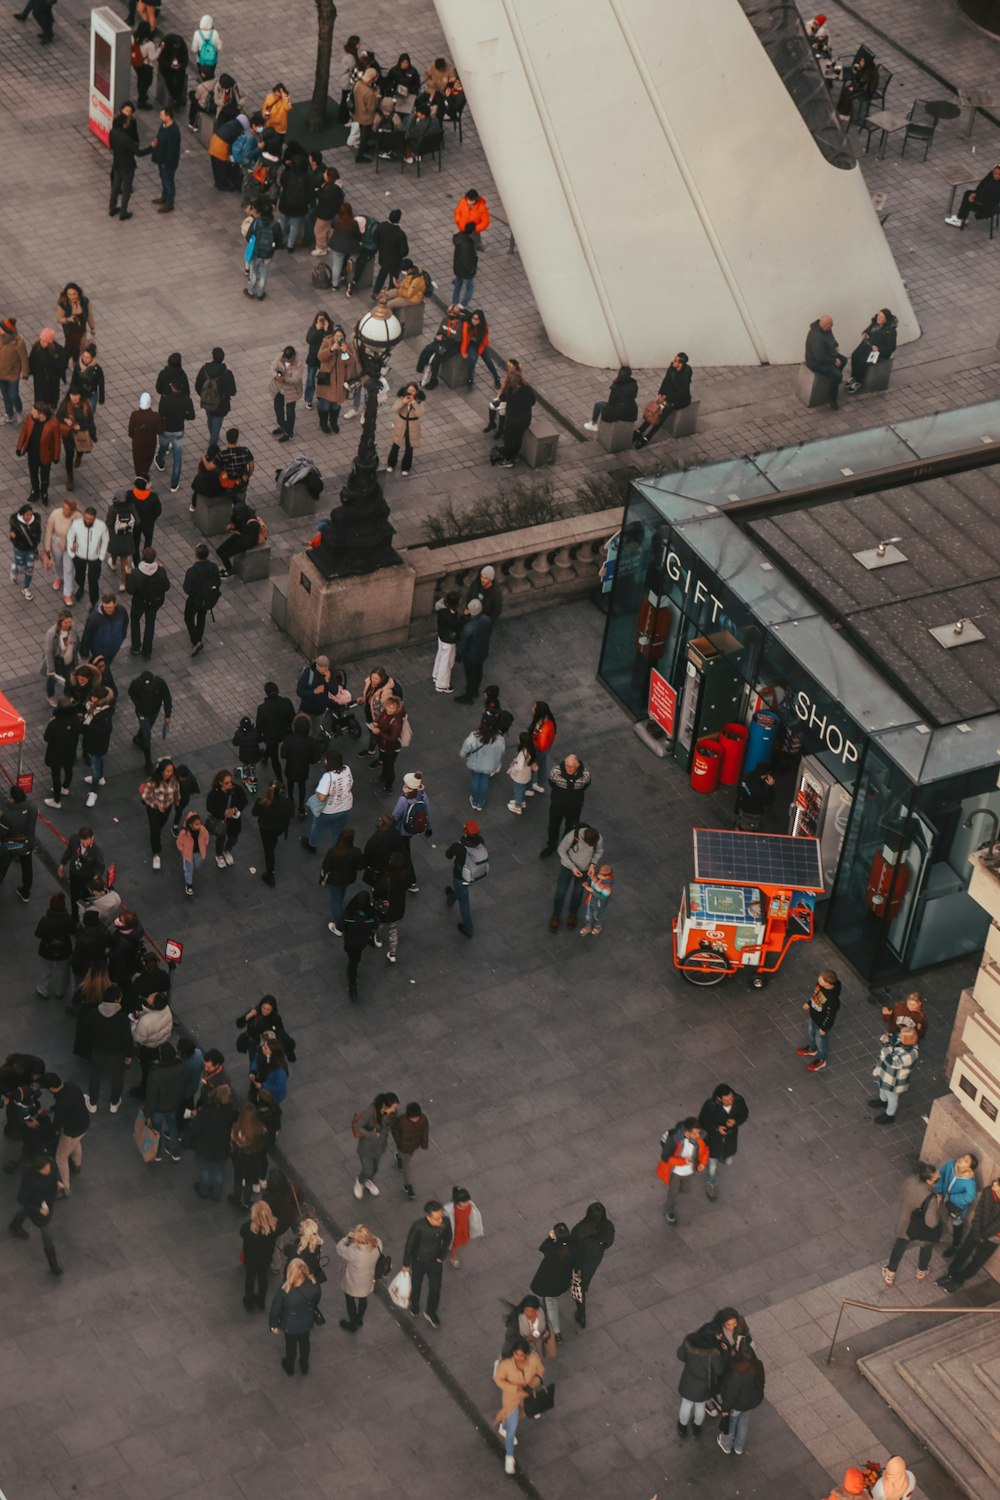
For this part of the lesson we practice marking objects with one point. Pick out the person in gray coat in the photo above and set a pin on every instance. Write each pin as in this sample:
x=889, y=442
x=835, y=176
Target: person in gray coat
x=371, y=1127
x=473, y=649
x=293, y=1313
x=359, y=1250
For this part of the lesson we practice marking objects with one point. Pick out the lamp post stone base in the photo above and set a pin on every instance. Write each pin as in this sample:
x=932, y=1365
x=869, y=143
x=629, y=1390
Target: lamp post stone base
x=348, y=617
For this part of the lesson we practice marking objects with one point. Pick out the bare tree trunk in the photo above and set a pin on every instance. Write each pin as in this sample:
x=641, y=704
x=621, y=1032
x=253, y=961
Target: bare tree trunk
x=326, y=15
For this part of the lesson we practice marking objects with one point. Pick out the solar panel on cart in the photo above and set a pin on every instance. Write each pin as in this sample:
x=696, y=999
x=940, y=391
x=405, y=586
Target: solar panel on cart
x=757, y=859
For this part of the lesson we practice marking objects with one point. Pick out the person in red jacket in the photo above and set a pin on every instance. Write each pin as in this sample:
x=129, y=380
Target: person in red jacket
x=388, y=728
x=476, y=345
x=41, y=441
x=682, y=1153
x=472, y=209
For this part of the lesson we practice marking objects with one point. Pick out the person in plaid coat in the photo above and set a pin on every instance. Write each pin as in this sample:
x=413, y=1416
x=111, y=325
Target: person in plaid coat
x=896, y=1062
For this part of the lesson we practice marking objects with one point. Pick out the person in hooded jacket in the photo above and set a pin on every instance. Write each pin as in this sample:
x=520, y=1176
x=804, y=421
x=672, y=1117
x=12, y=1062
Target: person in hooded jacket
x=148, y=510
x=210, y=1140
x=621, y=405
x=125, y=948
x=150, y=695
x=589, y=1238
x=55, y=947
x=705, y=1364
x=109, y=1042
x=822, y=355
x=720, y=1118
x=359, y=929
x=879, y=338
x=148, y=586
x=13, y=368
x=25, y=536
x=273, y=722
x=95, y=740
x=299, y=750
x=553, y=1277
x=742, y=1392
x=62, y=733
x=151, y=1027
x=674, y=394
x=202, y=588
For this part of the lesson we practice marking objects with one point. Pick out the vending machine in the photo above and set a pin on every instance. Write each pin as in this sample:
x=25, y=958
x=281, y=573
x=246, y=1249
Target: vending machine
x=821, y=810
x=711, y=691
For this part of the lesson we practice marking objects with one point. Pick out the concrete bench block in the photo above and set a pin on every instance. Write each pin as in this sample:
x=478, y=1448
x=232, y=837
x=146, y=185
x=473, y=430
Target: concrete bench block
x=877, y=377
x=540, y=445
x=296, y=500
x=411, y=317
x=683, y=422
x=812, y=389
x=453, y=372
x=254, y=565
x=615, y=437
x=213, y=514
x=206, y=129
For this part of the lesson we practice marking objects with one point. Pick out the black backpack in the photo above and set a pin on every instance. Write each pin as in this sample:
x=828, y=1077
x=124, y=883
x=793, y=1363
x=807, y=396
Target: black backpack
x=211, y=394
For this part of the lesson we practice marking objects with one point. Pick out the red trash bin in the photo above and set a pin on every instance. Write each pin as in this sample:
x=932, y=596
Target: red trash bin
x=733, y=740
x=706, y=765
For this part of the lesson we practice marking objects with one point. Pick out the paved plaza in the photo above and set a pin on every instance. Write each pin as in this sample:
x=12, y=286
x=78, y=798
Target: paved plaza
x=548, y=1066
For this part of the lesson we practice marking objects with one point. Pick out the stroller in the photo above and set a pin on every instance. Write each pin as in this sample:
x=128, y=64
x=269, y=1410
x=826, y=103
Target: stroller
x=339, y=716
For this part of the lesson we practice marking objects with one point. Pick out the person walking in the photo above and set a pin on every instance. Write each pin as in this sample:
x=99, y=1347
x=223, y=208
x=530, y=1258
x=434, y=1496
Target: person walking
x=87, y=544
x=371, y=1128
x=342, y=865
x=580, y=851
x=705, y=1364
x=555, y=1274
x=123, y=527
x=71, y=1119
x=589, y=1238
x=470, y=862
x=720, y=1118
x=104, y=633
x=821, y=1012
x=176, y=408
x=148, y=586
x=359, y=1250
x=17, y=838
x=393, y=247
x=40, y=442
x=25, y=537
x=981, y=1240
x=682, y=1153
x=542, y=730
x=148, y=508
x=516, y=1377
x=109, y=1043
x=293, y=1313
x=331, y=803
x=896, y=1061
x=55, y=554
x=61, y=651
x=145, y=428
x=359, y=929
x=286, y=390
x=389, y=896
x=473, y=649
x=150, y=696
x=209, y=1139
x=225, y=806
x=203, y=590
x=47, y=366
x=161, y=795
x=273, y=810
x=411, y=1133
x=405, y=427
x=192, y=845
x=742, y=1392
x=55, y=947
x=36, y=1197
x=215, y=387
x=95, y=740
x=483, y=752
x=13, y=368
x=273, y=722
x=259, y=1234
x=423, y=1256
x=466, y=1223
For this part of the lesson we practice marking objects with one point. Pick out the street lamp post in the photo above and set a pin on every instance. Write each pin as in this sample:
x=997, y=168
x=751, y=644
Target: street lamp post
x=358, y=536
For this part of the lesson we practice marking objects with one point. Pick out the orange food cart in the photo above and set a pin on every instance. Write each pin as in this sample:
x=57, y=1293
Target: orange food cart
x=753, y=895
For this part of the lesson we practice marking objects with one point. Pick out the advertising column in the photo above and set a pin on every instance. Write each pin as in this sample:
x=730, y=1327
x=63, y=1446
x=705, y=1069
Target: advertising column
x=110, y=70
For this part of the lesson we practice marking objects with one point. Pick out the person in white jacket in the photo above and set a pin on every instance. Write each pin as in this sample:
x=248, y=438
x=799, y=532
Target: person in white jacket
x=206, y=44
x=151, y=1027
x=87, y=545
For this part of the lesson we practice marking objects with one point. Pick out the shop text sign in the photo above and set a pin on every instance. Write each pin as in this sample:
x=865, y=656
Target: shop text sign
x=662, y=702
x=831, y=734
x=693, y=588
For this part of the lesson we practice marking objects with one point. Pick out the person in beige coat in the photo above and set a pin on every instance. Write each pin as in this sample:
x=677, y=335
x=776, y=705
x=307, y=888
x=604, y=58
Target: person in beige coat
x=338, y=366
x=286, y=388
x=405, y=427
x=55, y=556
x=515, y=1377
x=359, y=1250
x=366, y=102
x=13, y=368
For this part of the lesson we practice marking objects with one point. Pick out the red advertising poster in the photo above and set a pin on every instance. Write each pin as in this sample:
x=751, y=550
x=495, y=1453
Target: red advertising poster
x=26, y=781
x=662, y=702
x=173, y=950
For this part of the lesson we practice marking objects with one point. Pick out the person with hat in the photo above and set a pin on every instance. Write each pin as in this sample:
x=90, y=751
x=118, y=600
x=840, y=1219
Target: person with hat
x=896, y=1062
x=484, y=588
x=25, y=536
x=286, y=390
x=470, y=862
x=145, y=428
x=17, y=838
x=13, y=368
x=853, y=1485
x=474, y=648
x=411, y=817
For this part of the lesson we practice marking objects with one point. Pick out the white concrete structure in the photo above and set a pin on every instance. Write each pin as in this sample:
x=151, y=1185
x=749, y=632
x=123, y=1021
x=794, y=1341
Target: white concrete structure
x=664, y=190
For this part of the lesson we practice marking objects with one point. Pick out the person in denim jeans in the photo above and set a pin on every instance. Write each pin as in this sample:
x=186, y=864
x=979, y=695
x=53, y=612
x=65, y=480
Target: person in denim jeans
x=164, y=1093
x=578, y=850
x=742, y=1391
x=459, y=890
x=25, y=536
x=821, y=1012
x=192, y=841
x=209, y=1140
x=335, y=797
x=176, y=408
x=13, y=368
x=720, y=1118
x=483, y=752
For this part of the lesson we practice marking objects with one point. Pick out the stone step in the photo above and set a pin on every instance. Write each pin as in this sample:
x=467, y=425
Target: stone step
x=989, y=1373
x=948, y=1385
x=883, y=1373
x=961, y=1374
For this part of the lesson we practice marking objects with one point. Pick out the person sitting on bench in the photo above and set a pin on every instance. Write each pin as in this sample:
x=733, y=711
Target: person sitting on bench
x=983, y=203
x=674, y=393
x=245, y=533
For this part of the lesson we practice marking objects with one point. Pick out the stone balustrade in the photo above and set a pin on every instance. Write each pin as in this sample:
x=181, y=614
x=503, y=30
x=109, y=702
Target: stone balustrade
x=538, y=566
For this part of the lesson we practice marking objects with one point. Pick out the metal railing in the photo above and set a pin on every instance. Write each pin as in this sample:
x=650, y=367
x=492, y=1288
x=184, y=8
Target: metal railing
x=895, y=1312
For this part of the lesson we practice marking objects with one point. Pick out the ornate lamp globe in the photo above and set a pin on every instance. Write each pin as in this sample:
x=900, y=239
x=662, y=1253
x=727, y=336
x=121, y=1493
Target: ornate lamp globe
x=380, y=330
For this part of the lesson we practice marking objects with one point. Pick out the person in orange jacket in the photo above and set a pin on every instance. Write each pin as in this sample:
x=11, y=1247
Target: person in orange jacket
x=682, y=1153
x=40, y=441
x=472, y=209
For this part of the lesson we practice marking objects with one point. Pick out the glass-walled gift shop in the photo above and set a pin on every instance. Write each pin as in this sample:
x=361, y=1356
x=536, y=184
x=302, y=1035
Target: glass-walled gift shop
x=851, y=643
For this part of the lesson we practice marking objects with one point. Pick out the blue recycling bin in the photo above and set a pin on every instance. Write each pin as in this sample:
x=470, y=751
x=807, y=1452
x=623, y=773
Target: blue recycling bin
x=760, y=747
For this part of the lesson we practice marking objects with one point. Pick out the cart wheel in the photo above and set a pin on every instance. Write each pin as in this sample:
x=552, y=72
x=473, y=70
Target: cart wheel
x=714, y=971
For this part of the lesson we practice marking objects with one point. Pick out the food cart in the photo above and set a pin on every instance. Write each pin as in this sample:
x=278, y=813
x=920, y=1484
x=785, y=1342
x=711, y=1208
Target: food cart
x=753, y=895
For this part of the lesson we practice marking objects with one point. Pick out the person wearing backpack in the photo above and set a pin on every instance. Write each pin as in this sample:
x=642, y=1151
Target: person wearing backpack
x=470, y=862
x=148, y=586
x=215, y=387
x=263, y=237
x=359, y=928
x=206, y=44
x=203, y=590
x=412, y=815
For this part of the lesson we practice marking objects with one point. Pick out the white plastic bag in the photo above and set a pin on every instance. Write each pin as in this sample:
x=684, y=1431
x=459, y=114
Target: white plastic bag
x=401, y=1288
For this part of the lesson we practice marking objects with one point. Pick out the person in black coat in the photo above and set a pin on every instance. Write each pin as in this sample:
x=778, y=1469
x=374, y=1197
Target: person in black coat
x=742, y=1392
x=90, y=947
x=36, y=1197
x=720, y=1118
x=71, y=1118
x=554, y=1275
x=299, y=751
x=519, y=397
x=173, y=376
x=209, y=1139
x=568, y=783
x=123, y=140
x=62, y=734
x=705, y=1364
x=673, y=395
x=107, y=1036
x=822, y=355
x=263, y=1016
x=147, y=587
x=273, y=723
x=259, y=1234
x=588, y=1240
x=83, y=859
x=202, y=588
x=273, y=811
x=166, y=147
x=878, y=338
x=464, y=265
x=390, y=898
x=359, y=928
x=393, y=247
x=621, y=405
x=55, y=948
x=474, y=648
x=225, y=805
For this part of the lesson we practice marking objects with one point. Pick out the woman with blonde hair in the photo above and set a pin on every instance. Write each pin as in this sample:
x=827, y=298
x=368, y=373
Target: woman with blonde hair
x=359, y=1250
x=247, y=1139
x=307, y=1249
x=293, y=1312
x=258, y=1234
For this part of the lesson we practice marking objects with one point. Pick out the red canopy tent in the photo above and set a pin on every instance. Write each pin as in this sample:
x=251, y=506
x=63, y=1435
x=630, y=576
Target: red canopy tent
x=12, y=728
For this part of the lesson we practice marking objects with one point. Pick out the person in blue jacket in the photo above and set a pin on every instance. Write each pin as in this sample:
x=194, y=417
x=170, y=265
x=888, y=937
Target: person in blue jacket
x=269, y=1069
x=956, y=1185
